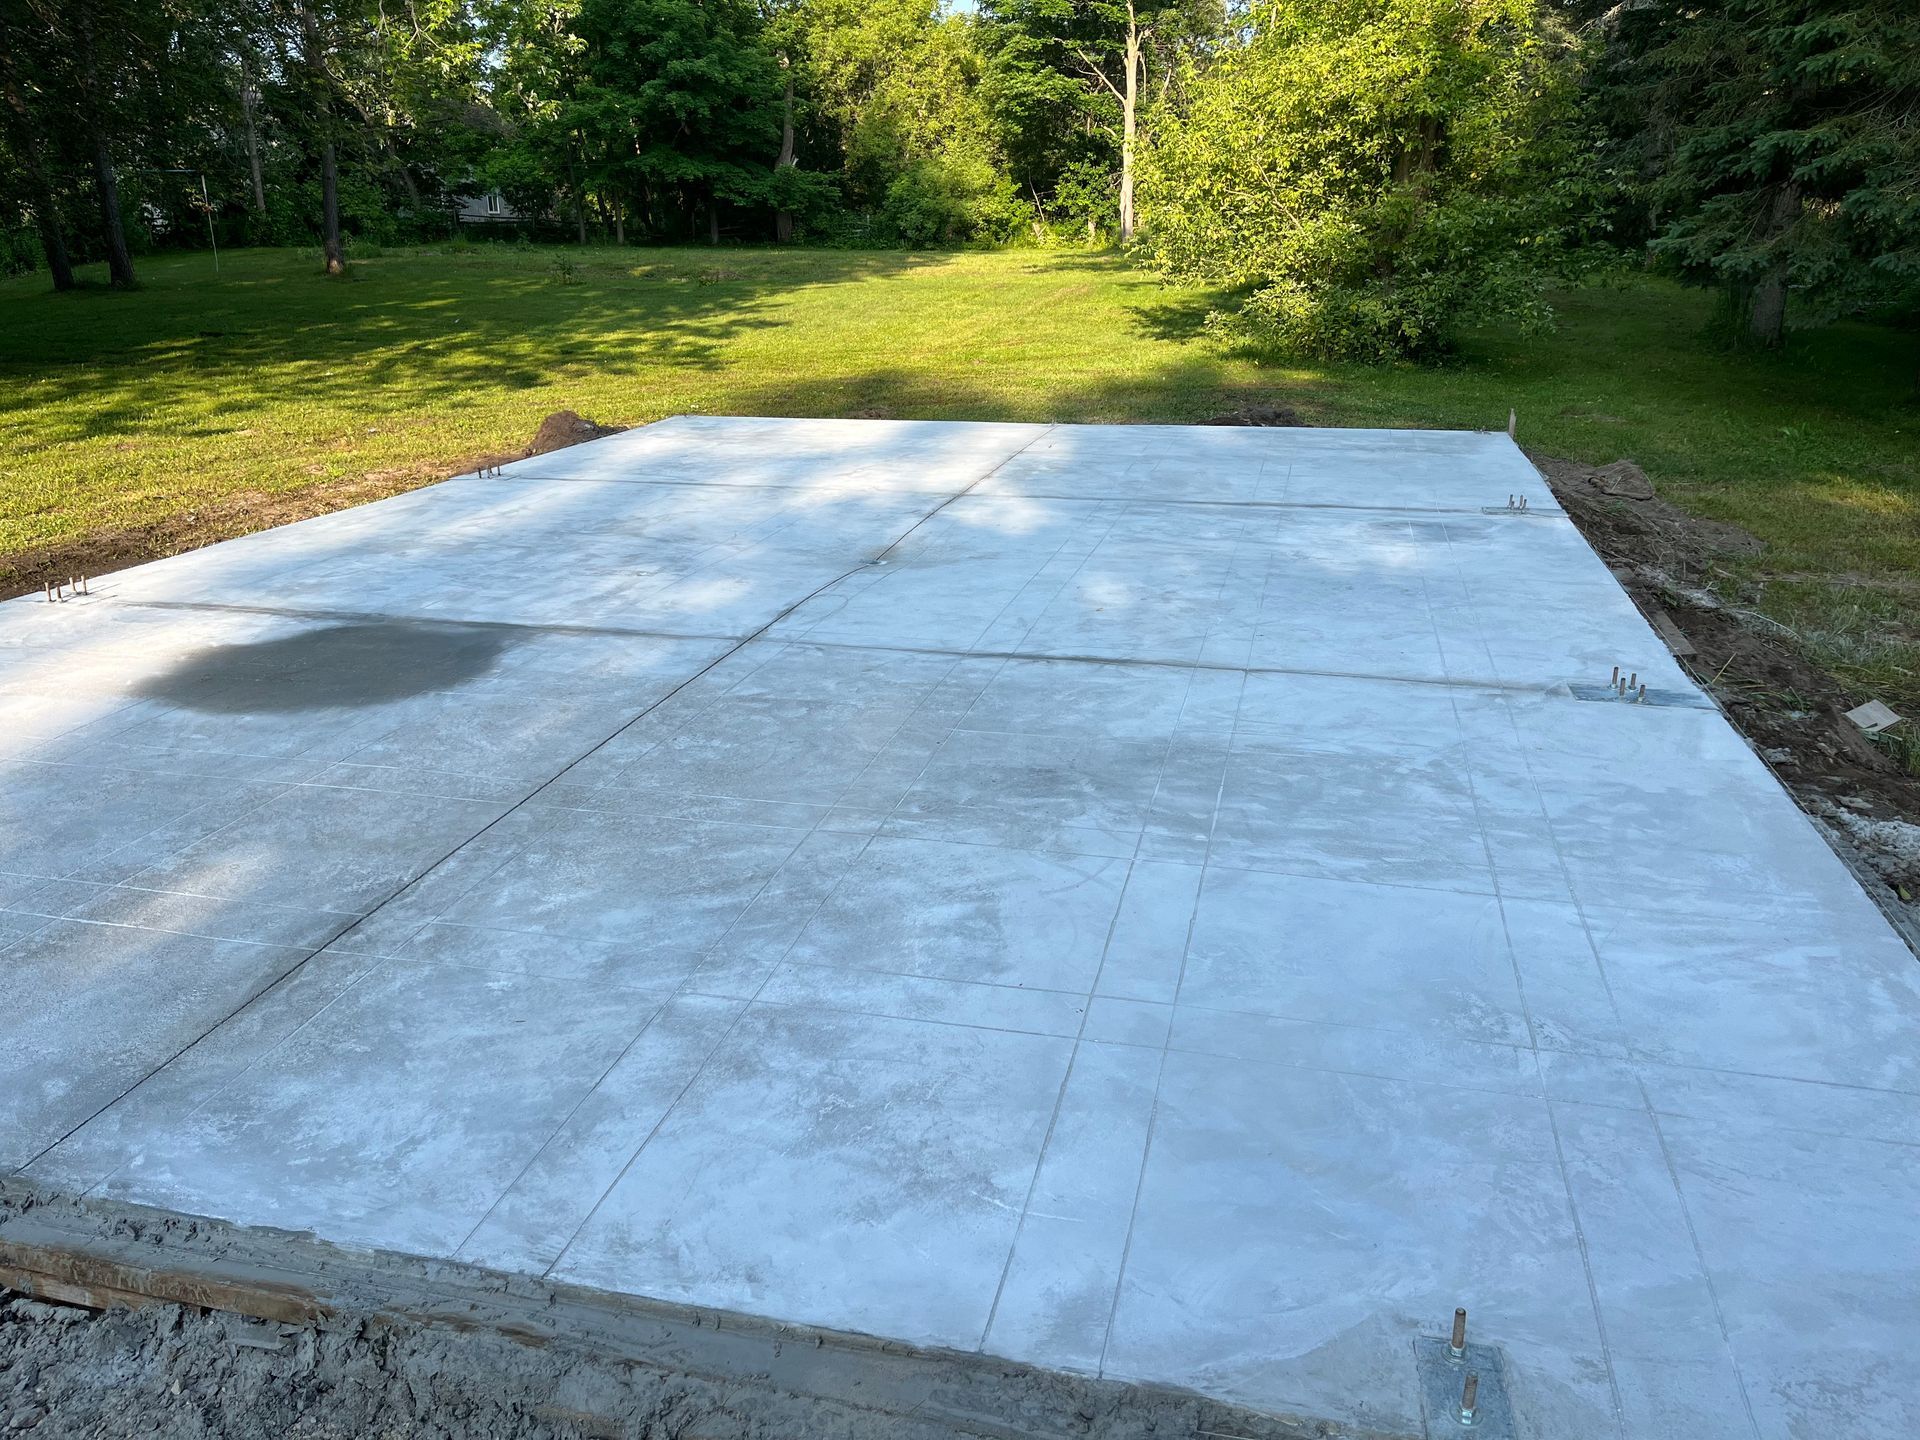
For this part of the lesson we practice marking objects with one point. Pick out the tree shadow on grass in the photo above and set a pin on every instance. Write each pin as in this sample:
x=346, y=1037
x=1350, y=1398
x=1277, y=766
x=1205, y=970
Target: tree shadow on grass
x=463, y=322
x=1176, y=315
x=1182, y=392
x=1160, y=310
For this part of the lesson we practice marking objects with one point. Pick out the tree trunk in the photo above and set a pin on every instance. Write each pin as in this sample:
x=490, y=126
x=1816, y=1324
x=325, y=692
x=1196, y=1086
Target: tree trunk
x=1418, y=159
x=335, y=256
x=1767, y=309
x=249, y=97
x=53, y=243
x=574, y=169
x=105, y=183
x=783, y=219
x=619, y=222
x=1129, y=118
x=713, y=219
x=119, y=262
x=46, y=205
x=406, y=178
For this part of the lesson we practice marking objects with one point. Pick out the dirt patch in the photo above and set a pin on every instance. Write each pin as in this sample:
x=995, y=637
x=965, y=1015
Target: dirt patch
x=1623, y=479
x=564, y=428
x=1792, y=710
x=1617, y=510
x=1258, y=415
x=250, y=510
x=165, y=1371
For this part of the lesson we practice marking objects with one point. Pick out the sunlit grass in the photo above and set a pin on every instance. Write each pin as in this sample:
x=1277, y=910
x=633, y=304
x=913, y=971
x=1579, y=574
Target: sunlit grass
x=123, y=410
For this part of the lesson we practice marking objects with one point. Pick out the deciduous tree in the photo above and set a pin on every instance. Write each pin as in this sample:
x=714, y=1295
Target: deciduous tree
x=1372, y=173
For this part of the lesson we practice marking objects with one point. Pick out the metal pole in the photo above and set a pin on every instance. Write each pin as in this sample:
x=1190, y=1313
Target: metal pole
x=209, y=204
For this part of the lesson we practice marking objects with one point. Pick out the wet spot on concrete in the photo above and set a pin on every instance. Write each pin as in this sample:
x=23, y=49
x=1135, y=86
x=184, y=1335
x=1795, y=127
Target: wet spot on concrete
x=332, y=666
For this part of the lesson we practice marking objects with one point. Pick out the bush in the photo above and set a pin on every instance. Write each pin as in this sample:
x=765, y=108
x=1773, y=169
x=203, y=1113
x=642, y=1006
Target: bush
x=1086, y=199
x=19, y=250
x=954, y=197
x=1371, y=174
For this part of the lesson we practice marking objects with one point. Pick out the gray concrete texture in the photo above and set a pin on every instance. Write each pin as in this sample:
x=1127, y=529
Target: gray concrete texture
x=1146, y=901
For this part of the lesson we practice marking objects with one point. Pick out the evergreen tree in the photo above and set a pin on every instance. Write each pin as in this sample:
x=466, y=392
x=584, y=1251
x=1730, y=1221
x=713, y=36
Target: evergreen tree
x=1776, y=145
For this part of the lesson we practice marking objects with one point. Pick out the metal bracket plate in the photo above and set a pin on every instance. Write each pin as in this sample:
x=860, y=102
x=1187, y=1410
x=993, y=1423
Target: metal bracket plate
x=1680, y=699
x=1441, y=1380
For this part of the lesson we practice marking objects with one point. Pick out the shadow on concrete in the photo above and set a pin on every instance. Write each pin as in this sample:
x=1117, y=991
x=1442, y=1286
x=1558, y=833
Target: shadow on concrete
x=351, y=665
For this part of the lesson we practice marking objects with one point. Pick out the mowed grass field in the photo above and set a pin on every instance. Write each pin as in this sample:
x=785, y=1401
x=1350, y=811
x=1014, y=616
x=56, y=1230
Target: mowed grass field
x=207, y=403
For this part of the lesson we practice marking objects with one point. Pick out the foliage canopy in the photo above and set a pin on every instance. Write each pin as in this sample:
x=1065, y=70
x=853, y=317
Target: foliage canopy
x=1368, y=175
x=1773, y=148
x=1372, y=172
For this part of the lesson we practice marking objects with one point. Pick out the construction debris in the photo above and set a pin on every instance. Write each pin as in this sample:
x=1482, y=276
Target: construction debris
x=1873, y=717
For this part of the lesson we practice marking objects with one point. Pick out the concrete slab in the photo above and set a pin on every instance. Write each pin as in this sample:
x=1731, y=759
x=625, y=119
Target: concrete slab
x=1143, y=901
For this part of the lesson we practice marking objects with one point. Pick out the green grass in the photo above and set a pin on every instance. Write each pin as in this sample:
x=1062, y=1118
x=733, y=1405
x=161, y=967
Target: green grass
x=127, y=411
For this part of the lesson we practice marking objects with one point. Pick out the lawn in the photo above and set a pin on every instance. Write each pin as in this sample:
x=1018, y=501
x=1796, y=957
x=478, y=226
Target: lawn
x=205, y=403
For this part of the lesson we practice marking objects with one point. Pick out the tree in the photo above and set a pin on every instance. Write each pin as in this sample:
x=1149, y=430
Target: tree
x=316, y=45
x=1050, y=119
x=1067, y=81
x=678, y=98
x=539, y=71
x=20, y=130
x=900, y=85
x=1127, y=95
x=1373, y=173
x=1786, y=154
x=105, y=99
x=101, y=64
x=785, y=34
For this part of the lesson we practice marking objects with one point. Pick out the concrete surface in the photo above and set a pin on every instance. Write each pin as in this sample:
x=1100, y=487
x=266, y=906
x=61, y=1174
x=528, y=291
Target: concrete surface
x=1137, y=900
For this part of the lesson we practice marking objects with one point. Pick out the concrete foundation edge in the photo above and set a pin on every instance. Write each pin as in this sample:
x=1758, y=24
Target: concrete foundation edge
x=101, y=1254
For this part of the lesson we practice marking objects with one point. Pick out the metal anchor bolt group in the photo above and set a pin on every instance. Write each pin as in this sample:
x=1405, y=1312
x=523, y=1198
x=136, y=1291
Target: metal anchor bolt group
x=1629, y=687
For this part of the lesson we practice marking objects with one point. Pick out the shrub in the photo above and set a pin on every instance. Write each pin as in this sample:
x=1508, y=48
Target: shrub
x=954, y=196
x=1371, y=174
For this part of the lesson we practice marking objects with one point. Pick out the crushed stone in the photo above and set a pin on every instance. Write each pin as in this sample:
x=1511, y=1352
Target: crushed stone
x=172, y=1372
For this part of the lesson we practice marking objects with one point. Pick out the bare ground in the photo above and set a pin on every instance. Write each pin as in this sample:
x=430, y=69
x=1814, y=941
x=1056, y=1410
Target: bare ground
x=173, y=1372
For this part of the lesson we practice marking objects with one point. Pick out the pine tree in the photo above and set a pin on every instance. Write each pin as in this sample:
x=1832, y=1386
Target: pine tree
x=1786, y=152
